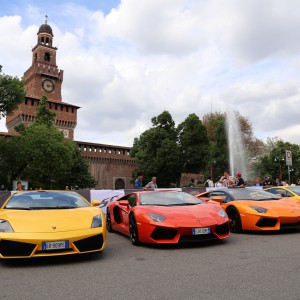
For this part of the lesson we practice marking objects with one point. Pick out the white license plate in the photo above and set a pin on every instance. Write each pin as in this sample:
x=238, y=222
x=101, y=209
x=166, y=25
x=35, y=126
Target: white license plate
x=55, y=245
x=204, y=230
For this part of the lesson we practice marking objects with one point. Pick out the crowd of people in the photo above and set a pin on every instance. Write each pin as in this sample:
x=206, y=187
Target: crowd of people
x=223, y=181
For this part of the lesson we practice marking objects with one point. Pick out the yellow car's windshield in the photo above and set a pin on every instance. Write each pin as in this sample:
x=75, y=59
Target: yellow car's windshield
x=46, y=200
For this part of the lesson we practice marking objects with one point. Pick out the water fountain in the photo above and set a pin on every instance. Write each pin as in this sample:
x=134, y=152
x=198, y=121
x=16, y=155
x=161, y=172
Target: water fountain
x=237, y=154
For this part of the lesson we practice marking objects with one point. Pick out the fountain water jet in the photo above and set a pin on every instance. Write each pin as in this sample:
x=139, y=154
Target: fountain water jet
x=237, y=155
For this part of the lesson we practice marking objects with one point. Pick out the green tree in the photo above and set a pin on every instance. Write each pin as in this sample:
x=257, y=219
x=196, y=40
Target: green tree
x=43, y=156
x=12, y=93
x=194, y=144
x=216, y=132
x=78, y=175
x=44, y=115
x=157, y=153
x=273, y=163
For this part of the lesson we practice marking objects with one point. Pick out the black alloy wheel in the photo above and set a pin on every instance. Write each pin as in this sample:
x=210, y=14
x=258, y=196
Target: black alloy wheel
x=108, y=221
x=235, y=222
x=133, y=231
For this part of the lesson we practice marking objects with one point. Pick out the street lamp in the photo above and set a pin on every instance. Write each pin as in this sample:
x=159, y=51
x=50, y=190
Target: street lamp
x=211, y=170
x=280, y=161
x=290, y=169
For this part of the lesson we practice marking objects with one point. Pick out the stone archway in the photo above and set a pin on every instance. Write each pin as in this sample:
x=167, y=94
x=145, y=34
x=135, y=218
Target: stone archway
x=119, y=184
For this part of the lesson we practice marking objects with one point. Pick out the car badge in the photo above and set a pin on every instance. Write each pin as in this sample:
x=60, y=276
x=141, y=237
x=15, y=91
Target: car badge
x=198, y=221
x=53, y=227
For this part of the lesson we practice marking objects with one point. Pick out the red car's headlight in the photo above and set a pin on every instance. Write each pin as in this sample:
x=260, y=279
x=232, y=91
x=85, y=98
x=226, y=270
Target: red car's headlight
x=156, y=218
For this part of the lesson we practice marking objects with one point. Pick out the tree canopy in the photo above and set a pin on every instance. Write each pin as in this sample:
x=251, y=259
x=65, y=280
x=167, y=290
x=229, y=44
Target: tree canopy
x=12, y=93
x=42, y=155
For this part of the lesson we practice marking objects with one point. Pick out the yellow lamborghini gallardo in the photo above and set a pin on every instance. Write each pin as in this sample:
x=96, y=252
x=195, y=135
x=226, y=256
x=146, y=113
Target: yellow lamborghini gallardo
x=48, y=223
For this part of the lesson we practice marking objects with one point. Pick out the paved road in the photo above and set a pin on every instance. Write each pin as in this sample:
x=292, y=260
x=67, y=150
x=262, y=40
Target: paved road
x=245, y=266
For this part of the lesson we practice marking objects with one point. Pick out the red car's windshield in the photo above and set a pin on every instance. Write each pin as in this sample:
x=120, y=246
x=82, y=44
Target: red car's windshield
x=168, y=199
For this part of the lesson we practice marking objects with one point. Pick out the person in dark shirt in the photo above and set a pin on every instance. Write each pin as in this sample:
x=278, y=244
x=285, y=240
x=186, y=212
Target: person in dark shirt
x=138, y=183
x=239, y=180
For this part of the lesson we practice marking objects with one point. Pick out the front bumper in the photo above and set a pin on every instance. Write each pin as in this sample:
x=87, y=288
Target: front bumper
x=162, y=234
x=26, y=245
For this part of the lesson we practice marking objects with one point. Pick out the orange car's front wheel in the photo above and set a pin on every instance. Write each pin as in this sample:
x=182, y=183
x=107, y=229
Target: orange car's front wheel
x=235, y=222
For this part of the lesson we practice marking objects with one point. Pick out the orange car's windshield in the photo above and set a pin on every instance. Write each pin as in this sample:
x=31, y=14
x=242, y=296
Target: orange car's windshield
x=252, y=194
x=295, y=189
x=169, y=199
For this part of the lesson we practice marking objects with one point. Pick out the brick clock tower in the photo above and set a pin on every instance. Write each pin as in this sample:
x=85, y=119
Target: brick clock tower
x=44, y=78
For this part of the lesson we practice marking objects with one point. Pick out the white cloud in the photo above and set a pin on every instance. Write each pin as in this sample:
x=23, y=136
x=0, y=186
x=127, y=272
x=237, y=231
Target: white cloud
x=184, y=56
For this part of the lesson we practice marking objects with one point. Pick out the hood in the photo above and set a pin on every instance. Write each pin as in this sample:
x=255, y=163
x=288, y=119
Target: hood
x=43, y=221
x=282, y=205
x=189, y=212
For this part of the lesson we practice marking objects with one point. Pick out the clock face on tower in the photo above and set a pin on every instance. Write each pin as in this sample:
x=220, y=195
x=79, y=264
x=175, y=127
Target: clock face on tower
x=48, y=85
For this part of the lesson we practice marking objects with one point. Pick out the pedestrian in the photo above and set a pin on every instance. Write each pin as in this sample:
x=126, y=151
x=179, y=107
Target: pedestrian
x=208, y=182
x=258, y=182
x=138, y=183
x=192, y=183
x=267, y=181
x=298, y=181
x=152, y=184
x=239, y=180
x=19, y=186
x=227, y=180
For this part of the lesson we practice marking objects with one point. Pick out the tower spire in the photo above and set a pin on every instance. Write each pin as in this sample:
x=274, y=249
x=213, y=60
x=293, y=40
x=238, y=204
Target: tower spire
x=46, y=19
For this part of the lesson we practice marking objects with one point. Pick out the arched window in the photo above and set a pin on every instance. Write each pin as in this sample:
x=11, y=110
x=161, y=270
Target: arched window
x=47, y=56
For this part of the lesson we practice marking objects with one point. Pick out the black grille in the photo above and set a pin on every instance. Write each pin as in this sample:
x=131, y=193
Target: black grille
x=89, y=244
x=292, y=225
x=266, y=222
x=196, y=238
x=222, y=229
x=163, y=234
x=11, y=248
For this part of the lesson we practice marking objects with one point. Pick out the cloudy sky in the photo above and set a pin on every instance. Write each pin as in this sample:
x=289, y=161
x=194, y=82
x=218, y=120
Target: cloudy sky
x=127, y=61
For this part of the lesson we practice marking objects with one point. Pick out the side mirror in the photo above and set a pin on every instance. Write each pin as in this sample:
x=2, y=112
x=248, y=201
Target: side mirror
x=218, y=199
x=95, y=203
x=123, y=203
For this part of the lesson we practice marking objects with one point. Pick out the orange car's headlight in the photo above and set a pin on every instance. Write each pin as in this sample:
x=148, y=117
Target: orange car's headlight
x=259, y=209
x=5, y=226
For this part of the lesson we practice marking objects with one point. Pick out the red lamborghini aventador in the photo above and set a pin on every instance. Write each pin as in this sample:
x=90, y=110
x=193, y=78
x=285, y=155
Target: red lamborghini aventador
x=166, y=217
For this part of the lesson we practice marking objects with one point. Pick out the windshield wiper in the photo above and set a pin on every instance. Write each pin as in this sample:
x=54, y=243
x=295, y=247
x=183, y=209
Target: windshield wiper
x=20, y=208
x=183, y=204
x=64, y=207
x=53, y=207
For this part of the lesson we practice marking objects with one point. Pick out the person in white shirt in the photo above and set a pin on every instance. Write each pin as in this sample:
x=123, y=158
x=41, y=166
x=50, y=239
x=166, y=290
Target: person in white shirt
x=152, y=184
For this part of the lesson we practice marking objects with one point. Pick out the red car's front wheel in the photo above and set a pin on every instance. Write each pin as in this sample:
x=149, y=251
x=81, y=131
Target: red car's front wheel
x=108, y=221
x=133, y=231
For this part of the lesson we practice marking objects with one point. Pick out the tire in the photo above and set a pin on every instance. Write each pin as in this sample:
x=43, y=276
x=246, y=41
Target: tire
x=133, y=231
x=108, y=222
x=235, y=223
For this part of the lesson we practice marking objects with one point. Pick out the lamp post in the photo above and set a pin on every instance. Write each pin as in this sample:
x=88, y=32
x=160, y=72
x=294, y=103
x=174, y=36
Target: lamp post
x=280, y=166
x=211, y=170
x=290, y=169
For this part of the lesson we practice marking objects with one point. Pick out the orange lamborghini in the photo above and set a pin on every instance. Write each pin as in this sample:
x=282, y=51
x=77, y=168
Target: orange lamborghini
x=166, y=217
x=254, y=209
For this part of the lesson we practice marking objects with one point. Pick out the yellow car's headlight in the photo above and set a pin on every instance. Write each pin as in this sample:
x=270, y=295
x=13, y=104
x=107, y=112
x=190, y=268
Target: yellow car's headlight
x=5, y=226
x=97, y=221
